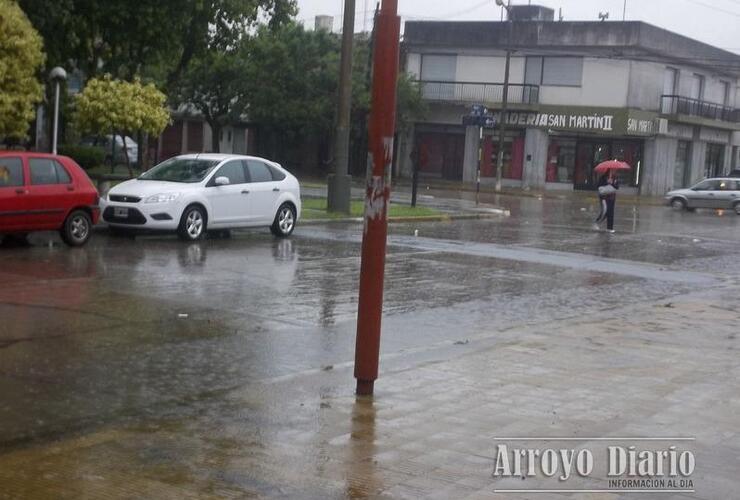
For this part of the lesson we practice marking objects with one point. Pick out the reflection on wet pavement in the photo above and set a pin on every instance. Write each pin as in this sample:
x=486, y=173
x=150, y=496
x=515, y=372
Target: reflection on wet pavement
x=222, y=369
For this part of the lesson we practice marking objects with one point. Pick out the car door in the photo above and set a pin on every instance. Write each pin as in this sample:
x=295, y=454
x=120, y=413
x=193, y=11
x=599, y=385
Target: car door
x=13, y=194
x=726, y=194
x=733, y=192
x=231, y=203
x=265, y=191
x=51, y=192
x=704, y=194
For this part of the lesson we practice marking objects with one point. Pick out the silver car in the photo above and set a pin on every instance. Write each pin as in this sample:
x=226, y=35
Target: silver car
x=719, y=192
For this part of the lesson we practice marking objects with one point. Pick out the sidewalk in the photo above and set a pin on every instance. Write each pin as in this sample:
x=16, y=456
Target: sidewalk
x=401, y=190
x=653, y=371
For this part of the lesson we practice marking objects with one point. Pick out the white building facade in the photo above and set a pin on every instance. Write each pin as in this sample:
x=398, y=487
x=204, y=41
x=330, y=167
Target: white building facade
x=580, y=93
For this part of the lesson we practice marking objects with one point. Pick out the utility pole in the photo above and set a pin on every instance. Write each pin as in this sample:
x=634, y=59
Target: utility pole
x=624, y=11
x=339, y=181
x=380, y=157
x=504, y=103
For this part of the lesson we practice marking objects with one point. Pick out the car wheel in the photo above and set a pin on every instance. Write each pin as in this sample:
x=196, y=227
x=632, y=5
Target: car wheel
x=736, y=206
x=678, y=204
x=284, y=222
x=192, y=224
x=77, y=228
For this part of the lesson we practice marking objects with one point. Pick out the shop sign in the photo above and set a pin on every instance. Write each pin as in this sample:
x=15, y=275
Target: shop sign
x=569, y=121
x=608, y=121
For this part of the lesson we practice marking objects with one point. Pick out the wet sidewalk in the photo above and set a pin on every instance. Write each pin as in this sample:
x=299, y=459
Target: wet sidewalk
x=656, y=370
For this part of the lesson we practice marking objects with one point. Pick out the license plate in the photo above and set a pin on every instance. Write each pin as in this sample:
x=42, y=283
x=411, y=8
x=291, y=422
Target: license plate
x=120, y=212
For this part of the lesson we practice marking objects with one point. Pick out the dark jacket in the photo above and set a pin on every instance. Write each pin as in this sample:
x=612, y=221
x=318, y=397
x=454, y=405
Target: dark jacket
x=603, y=181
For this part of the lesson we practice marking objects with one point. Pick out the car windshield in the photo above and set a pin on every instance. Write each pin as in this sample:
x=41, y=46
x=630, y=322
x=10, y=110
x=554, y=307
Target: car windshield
x=180, y=170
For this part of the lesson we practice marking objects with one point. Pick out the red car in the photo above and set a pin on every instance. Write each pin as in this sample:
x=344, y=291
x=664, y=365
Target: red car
x=42, y=192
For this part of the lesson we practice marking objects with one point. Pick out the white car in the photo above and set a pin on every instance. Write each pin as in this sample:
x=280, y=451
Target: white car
x=194, y=193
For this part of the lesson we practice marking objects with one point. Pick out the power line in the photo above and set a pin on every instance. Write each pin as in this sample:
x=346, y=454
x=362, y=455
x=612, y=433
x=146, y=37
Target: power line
x=709, y=6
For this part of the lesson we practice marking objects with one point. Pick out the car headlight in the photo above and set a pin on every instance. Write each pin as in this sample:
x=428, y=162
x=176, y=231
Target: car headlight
x=162, y=198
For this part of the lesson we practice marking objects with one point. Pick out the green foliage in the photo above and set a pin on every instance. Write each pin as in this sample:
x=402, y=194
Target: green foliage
x=316, y=208
x=152, y=38
x=20, y=58
x=215, y=84
x=86, y=156
x=107, y=105
x=410, y=105
x=292, y=78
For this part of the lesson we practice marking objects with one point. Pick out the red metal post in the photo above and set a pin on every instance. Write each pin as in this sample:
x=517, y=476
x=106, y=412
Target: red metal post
x=380, y=155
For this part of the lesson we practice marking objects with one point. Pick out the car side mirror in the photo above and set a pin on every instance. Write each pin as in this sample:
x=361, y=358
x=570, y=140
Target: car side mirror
x=222, y=181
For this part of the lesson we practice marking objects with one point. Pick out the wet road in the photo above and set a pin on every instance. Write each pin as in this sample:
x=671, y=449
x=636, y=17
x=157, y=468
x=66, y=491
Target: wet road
x=168, y=342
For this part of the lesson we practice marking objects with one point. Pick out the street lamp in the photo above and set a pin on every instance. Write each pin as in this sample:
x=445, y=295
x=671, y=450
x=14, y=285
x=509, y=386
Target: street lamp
x=504, y=103
x=57, y=75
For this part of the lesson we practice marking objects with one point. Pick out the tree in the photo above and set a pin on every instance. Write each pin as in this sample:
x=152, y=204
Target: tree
x=291, y=81
x=119, y=107
x=21, y=57
x=214, y=85
x=153, y=38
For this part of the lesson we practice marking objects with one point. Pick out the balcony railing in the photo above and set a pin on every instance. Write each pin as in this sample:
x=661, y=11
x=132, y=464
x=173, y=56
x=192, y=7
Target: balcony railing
x=678, y=105
x=479, y=92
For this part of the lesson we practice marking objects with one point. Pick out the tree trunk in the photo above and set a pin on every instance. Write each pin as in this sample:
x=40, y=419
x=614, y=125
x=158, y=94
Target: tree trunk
x=215, y=137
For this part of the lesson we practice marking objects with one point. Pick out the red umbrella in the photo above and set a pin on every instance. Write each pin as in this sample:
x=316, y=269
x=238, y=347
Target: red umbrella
x=605, y=166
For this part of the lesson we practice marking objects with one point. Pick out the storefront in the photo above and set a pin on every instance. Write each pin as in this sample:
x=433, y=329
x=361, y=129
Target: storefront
x=571, y=160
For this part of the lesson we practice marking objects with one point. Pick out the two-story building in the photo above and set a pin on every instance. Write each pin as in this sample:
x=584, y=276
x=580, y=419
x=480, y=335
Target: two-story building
x=579, y=93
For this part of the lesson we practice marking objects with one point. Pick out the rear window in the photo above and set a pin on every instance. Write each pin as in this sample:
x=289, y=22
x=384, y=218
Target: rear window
x=11, y=172
x=258, y=171
x=47, y=171
x=277, y=175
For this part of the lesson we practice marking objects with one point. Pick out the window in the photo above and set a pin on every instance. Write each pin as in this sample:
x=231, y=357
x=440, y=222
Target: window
x=47, y=171
x=708, y=185
x=277, y=175
x=561, y=160
x=714, y=160
x=555, y=71
x=697, y=87
x=180, y=170
x=441, y=68
x=234, y=171
x=682, y=165
x=670, y=81
x=11, y=172
x=566, y=71
x=533, y=71
x=725, y=93
x=258, y=171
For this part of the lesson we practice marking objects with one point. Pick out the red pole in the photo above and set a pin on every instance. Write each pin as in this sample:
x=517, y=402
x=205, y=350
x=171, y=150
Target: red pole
x=380, y=155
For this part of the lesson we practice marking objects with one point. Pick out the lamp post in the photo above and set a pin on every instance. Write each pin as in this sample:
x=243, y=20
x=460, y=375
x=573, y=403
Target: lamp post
x=505, y=99
x=57, y=75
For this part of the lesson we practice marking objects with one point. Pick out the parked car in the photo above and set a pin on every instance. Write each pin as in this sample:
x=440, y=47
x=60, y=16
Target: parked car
x=41, y=192
x=720, y=192
x=194, y=193
x=114, y=155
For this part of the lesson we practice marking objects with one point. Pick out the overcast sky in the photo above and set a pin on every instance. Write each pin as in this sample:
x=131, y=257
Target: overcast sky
x=712, y=21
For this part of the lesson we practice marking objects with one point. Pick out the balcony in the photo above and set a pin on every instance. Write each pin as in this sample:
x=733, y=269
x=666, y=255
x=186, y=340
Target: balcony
x=479, y=93
x=678, y=105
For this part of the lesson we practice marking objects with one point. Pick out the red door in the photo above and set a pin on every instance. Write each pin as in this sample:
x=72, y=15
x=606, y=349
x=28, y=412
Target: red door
x=13, y=194
x=51, y=193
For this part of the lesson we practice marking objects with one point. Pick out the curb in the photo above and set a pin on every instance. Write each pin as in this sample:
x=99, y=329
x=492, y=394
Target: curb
x=493, y=213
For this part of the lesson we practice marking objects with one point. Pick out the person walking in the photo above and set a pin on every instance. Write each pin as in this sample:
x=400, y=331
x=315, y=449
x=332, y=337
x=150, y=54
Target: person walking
x=611, y=199
x=602, y=202
x=607, y=187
